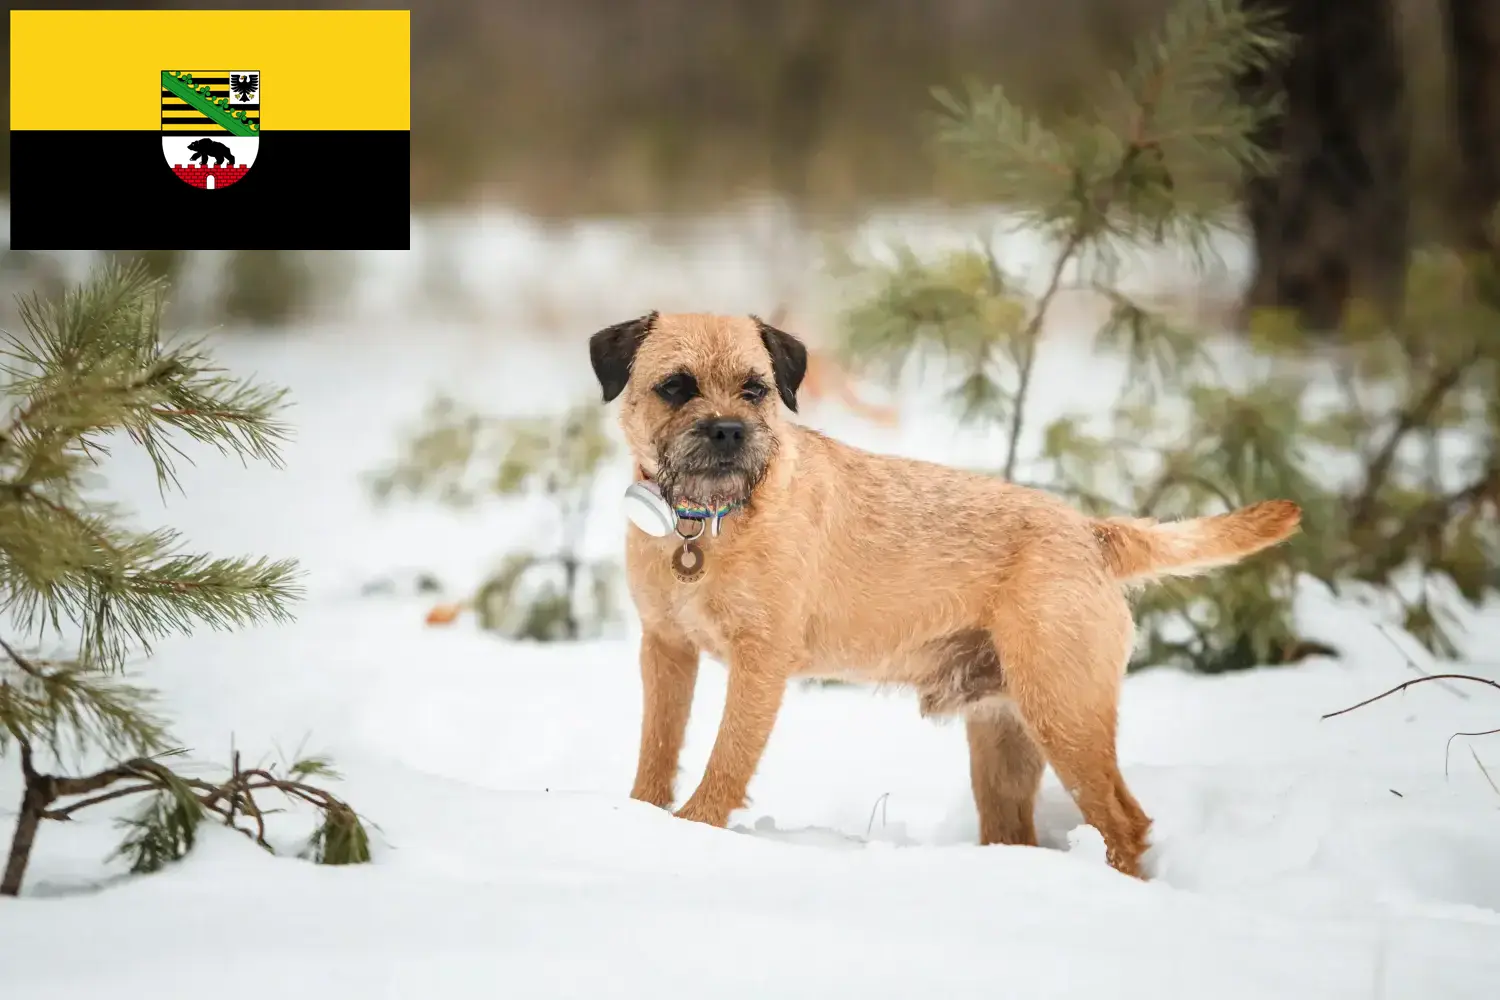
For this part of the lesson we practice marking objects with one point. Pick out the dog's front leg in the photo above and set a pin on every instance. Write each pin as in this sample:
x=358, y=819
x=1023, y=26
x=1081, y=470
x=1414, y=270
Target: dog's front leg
x=758, y=674
x=669, y=671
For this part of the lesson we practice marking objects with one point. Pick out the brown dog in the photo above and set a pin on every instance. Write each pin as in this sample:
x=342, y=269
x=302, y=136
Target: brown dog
x=993, y=601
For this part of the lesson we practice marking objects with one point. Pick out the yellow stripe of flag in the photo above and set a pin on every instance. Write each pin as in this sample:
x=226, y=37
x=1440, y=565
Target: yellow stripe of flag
x=321, y=70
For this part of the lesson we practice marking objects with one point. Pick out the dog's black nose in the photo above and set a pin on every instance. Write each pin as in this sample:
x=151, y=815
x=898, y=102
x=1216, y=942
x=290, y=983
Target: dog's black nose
x=724, y=434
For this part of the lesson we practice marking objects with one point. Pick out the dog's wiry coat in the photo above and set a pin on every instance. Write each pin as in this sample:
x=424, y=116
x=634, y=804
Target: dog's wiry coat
x=996, y=602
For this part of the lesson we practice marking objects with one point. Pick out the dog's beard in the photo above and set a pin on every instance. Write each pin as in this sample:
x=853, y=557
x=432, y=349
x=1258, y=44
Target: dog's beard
x=688, y=470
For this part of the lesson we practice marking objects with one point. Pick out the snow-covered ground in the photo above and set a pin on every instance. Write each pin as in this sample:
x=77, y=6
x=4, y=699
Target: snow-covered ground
x=1294, y=858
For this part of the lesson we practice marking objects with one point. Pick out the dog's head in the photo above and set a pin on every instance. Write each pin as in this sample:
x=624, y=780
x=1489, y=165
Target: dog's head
x=701, y=397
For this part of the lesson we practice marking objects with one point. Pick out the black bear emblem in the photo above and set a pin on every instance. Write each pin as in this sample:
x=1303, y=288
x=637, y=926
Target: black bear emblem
x=204, y=148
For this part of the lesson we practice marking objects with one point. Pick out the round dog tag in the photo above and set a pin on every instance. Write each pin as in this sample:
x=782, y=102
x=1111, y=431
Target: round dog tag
x=648, y=511
x=687, y=562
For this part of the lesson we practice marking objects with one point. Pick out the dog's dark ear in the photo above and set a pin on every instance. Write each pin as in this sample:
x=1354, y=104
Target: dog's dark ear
x=788, y=360
x=612, y=350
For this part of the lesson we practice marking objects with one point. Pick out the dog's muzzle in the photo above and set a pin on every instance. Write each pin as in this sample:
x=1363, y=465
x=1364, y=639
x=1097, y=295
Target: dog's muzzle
x=715, y=459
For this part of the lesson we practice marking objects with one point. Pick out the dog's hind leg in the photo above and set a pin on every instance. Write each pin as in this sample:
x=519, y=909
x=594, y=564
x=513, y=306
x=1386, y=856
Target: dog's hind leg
x=961, y=674
x=669, y=672
x=1005, y=769
x=1064, y=644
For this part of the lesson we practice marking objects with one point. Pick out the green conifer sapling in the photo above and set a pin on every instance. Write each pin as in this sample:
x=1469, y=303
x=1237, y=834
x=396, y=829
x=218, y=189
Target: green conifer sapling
x=89, y=371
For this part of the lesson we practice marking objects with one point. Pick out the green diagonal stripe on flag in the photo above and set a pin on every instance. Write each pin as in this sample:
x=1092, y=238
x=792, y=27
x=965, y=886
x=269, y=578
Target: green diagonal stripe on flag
x=181, y=87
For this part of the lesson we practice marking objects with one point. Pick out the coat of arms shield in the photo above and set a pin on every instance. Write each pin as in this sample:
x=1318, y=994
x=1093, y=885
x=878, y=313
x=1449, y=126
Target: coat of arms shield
x=210, y=125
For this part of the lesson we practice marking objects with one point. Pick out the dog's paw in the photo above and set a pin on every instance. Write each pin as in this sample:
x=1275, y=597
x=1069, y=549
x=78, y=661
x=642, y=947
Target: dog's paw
x=697, y=812
x=661, y=798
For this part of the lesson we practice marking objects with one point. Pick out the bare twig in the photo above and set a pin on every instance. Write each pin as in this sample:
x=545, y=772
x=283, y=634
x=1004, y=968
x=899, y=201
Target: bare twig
x=253, y=808
x=1484, y=770
x=234, y=772
x=1412, y=683
x=1029, y=338
x=247, y=796
x=1448, y=746
x=66, y=813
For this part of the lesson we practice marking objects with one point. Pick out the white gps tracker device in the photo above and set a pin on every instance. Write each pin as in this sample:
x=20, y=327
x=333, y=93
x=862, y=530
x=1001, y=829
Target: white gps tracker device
x=648, y=511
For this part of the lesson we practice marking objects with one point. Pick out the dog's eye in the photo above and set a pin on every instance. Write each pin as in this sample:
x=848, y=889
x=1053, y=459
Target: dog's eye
x=677, y=389
x=754, y=390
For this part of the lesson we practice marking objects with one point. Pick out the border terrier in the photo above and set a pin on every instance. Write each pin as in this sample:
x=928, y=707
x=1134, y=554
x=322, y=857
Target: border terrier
x=997, y=603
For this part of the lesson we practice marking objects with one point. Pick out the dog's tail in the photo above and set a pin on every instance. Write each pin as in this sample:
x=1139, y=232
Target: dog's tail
x=1144, y=549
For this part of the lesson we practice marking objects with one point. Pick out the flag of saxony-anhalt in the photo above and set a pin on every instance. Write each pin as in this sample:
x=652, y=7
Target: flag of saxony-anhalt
x=143, y=129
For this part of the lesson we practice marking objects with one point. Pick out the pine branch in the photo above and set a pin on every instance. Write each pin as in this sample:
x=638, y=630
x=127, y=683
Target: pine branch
x=92, y=364
x=125, y=590
x=54, y=704
x=175, y=593
x=177, y=389
x=1418, y=413
x=165, y=829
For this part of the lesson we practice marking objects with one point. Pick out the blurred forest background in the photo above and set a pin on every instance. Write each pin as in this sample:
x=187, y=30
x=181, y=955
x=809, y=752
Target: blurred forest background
x=628, y=108
x=587, y=107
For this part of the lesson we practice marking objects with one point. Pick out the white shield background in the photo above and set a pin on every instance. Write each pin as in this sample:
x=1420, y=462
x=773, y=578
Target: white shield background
x=175, y=149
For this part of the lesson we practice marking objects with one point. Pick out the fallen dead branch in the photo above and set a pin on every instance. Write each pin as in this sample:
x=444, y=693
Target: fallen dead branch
x=1411, y=683
x=1448, y=745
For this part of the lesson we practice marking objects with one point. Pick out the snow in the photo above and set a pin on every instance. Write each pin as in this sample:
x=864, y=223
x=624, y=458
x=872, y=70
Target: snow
x=1294, y=858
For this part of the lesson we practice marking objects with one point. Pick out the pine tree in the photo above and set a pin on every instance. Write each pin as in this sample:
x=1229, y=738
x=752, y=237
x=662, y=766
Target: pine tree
x=91, y=369
x=1160, y=165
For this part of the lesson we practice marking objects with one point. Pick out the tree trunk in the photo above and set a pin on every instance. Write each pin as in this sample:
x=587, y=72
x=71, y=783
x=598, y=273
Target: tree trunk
x=801, y=86
x=40, y=793
x=1332, y=224
x=1473, y=30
